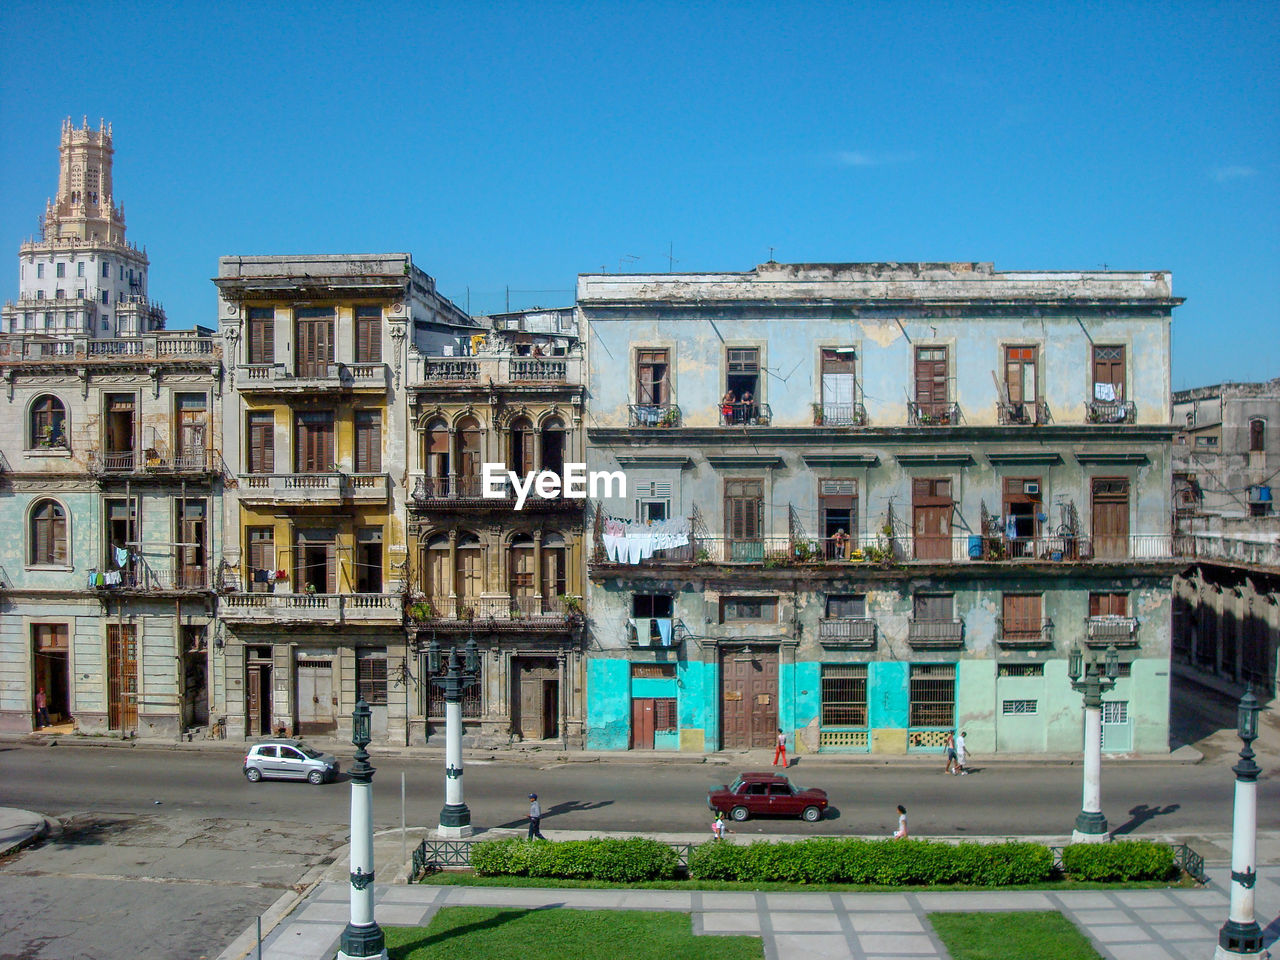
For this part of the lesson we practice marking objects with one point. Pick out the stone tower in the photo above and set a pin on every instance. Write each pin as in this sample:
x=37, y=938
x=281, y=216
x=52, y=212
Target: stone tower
x=82, y=278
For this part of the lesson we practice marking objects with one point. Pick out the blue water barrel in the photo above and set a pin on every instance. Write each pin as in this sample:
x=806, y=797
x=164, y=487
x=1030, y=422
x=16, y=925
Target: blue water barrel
x=975, y=547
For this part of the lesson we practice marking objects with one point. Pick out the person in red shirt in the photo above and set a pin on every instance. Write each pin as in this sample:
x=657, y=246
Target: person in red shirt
x=42, y=708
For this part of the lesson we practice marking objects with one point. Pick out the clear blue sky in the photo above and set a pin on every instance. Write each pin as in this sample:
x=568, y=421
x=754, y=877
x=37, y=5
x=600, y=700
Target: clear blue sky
x=519, y=145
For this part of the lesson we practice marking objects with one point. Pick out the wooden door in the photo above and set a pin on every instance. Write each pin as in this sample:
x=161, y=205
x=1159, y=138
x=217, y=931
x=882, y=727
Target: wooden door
x=315, y=347
x=1108, y=605
x=1108, y=367
x=931, y=518
x=317, y=706
x=261, y=341
x=258, y=708
x=749, y=698
x=193, y=561
x=122, y=677
x=261, y=447
x=537, y=697
x=313, y=437
x=642, y=723
x=469, y=584
x=1022, y=618
x=931, y=380
x=1110, y=517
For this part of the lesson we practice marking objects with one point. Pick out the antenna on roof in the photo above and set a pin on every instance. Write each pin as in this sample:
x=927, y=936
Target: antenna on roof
x=628, y=258
x=771, y=260
x=671, y=260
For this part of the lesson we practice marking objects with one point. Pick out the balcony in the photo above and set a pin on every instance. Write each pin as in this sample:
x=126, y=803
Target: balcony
x=467, y=493
x=745, y=414
x=933, y=414
x=1110, y=411
x=652, y=632
x=302, y=488
x=538, y=371
x=151, y=463
x=450, y=370
x=276, y=377
x=149, y=578
x=1102, y=632
x=839, y=415
x=935, y=634
x=653, y=415
x=1024, y=634
x=326, y=608
x=495, y=613
x=1022, y=414
x=156, y=345
x=847, y=633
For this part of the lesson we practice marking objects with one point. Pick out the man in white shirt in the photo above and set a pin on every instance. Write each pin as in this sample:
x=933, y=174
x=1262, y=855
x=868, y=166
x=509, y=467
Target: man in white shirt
x=960, y=755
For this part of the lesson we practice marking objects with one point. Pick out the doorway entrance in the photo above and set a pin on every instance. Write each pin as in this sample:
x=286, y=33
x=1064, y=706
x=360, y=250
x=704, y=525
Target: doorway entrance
x=317, y=705
x=748, y=697
x=536, y=698
x=122, y=677
x=258, y=692
x=50, y=653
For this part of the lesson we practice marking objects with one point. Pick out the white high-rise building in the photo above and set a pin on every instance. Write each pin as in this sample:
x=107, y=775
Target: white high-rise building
x=82, y=278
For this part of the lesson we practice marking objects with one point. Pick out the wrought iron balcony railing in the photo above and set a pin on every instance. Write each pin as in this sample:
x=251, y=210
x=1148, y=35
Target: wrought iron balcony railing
x=1104, y=631
x=839, y=415
x=1024, y=633
x=653, y=415
x=1022, y=414
x=852, y=632
x=935, y=634
x=748, y=413
x=933, y=414
x=1110, y=411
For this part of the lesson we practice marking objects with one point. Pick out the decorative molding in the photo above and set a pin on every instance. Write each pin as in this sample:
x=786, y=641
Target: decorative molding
x=762, y=461
x=1109, y=457
x=654, y=461
x=841, y=460
x=958, y=458
x=1015, y=459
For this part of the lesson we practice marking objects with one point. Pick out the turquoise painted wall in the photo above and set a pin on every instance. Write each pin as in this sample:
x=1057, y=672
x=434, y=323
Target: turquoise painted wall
x=651, y=687
x=807, y=705
x=608, y=704
x=697, y=683
x=888, y=692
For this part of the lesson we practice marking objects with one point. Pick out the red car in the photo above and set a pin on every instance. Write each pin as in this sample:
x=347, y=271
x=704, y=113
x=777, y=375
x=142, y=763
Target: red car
x=767, y=794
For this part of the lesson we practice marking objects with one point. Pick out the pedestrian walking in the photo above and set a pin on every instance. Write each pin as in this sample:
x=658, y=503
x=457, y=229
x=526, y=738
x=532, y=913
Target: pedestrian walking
x=535, y=817
x=781, y=749
x=960, y=755
x=901, y=832
x=718, y=826
x=951, y=752
x=42, y=708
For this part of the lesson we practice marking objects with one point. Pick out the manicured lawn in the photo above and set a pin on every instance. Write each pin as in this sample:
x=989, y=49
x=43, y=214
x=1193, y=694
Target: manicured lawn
x=562, y=934
x=1034, y=935
x=465, y=878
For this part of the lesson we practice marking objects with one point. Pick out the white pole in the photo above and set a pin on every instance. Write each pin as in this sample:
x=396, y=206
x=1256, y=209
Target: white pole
x=1091, y=825
x=361, y=851
x=404, y=843
x=453, y=752
x=1244, y=849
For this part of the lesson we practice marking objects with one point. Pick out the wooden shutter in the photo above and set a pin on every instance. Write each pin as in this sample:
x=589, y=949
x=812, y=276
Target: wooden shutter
x=262, y=448
x=262, y=336
x=931, y=377
x=1020, y=374
x=368, y=441
x=934, y=606
x=652, y=371
x=1108, y=367
x=1022, y=615
x=368, y=334
x=742, y=509
x=1108, y=604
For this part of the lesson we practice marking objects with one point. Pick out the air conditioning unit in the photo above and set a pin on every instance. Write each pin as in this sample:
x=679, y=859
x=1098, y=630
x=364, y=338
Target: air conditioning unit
x=1031, y=488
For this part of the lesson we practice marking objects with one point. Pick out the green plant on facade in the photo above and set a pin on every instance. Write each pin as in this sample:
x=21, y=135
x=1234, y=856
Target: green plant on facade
x=572, y=604
x=422, y=610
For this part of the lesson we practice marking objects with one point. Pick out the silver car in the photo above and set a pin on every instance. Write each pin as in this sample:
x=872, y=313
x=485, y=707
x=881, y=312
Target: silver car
x=289, y=760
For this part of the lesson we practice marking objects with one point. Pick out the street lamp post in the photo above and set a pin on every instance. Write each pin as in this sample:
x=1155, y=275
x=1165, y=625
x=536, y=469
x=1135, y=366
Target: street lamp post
x=1092, y=679
x=362, y=939
x=1241, y=937
x=455, y=818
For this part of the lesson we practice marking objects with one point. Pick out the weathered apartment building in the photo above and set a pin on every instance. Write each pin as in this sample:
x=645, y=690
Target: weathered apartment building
x=870, y=503
x=110, y=475
x=1226, y=612
x=507, y=574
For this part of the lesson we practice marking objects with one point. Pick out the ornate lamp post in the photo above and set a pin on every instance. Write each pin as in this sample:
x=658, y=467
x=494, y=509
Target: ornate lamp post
x=1241, y=937
x=1092, y=679
x=455, y=818
x=362, y=939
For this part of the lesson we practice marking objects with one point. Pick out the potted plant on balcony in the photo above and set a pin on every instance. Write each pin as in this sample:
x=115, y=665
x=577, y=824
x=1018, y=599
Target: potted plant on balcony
x=422, y=610
x=670, y=417
x=817, y=414
x=572, y=605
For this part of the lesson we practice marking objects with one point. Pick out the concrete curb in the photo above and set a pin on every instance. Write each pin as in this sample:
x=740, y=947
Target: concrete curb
x=245, y=944
x=43, y=827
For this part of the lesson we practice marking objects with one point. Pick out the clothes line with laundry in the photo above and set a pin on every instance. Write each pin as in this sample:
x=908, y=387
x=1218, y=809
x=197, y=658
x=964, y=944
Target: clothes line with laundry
x=630, y=542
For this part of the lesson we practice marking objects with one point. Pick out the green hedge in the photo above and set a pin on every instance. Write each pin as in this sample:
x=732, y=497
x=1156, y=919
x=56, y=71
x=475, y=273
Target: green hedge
x=889, y=862
x=619, y=861
x=1119, y=860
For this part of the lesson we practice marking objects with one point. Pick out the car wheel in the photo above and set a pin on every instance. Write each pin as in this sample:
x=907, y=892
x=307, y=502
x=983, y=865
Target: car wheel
x=739, y=813
x=812, y=814
x=316, y=776
x=252, y=774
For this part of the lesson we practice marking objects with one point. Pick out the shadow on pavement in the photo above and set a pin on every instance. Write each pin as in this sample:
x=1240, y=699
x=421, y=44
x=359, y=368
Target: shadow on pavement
x=1141, y=814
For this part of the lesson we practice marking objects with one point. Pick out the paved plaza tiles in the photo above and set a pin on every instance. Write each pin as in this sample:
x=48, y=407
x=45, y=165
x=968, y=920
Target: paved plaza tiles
x=1173, y=924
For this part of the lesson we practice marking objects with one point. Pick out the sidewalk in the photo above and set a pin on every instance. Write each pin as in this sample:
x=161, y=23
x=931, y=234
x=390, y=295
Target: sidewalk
x=1177, y=924
x=550, y=750
x=19, y=828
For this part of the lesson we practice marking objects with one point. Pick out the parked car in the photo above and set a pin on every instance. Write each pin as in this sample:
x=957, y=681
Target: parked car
x=289, y=760
x=767, y=794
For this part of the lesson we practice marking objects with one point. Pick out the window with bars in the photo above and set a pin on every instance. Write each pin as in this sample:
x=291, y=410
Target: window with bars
x=1021, y=670
x=1011, y=708
x=933, y=695
x=653, y=671
x=844, y=694
x=371, y=677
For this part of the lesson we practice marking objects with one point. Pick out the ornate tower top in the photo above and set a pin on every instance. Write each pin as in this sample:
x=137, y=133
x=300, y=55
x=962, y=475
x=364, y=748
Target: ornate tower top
x=84, y=208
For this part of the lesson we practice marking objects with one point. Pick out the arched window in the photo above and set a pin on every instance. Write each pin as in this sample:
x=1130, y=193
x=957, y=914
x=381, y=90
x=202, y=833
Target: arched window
x=555, y=568
x=467, y=444
x=520, y=454
x=553, y=445
x=48, y=533
x=48, y=423
x=435, y=458
x=1257, y=435
x=521, y=573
